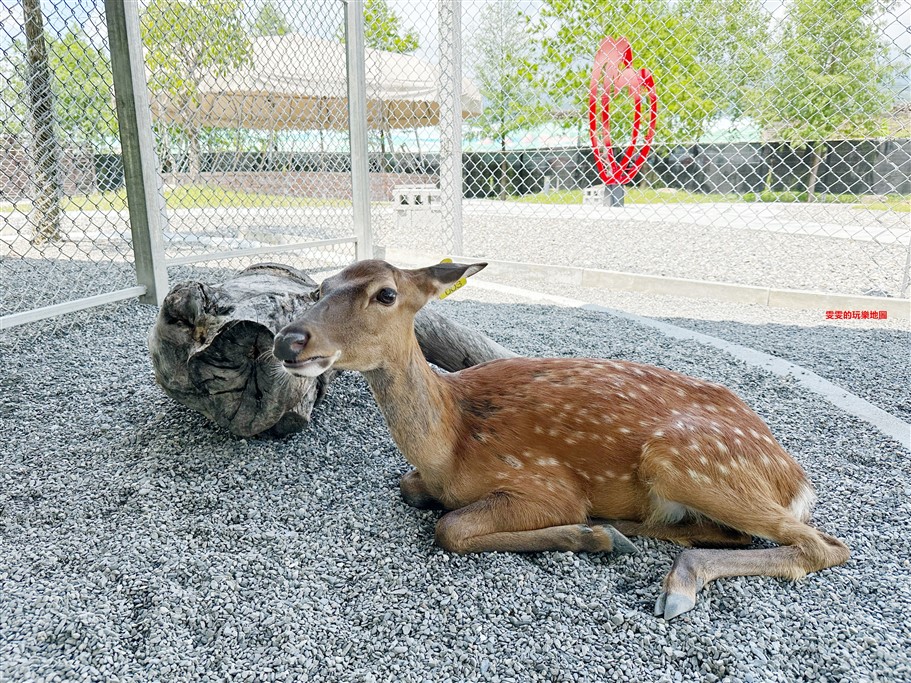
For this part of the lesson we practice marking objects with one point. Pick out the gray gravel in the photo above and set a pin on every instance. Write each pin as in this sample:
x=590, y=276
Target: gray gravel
x=139, y=542
x=676, y=247
x=874, y=364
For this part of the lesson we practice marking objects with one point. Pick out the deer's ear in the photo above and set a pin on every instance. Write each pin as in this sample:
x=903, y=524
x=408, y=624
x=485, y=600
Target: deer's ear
x=436, y=280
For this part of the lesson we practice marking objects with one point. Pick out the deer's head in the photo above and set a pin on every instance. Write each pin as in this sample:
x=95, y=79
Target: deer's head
x=364, y=317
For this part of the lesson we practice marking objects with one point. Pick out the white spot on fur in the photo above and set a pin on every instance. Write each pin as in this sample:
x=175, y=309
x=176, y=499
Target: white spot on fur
x=599, y=478
x=539, y=429
x=512, y=461
x=624, y=430
x=696, y=476
x=658, y=433
x=703, y=460
x=738, y=431
x=553, y=432
x=548, y=462
x=720, y=446
x=624, y=477
x=722, y=468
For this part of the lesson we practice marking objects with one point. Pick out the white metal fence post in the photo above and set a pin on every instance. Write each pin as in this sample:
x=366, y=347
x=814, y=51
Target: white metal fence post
x=145, y=196
x=357, y=126
x=450, y=25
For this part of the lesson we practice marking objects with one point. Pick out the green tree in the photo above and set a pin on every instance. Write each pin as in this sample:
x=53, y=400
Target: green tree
x=270, y=21
x=732, y=37
x=502, y=58
x=830, y=79
x=187, y=42
x=83, y=90
x=81, y=84
x=662, y=34
x=383, y=29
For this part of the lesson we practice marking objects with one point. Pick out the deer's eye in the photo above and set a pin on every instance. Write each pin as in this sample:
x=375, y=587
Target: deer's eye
x=315, y=294
x=386, y=296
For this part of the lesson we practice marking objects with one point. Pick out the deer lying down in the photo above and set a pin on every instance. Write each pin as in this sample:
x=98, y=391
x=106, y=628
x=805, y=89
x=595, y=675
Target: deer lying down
x=655, y=452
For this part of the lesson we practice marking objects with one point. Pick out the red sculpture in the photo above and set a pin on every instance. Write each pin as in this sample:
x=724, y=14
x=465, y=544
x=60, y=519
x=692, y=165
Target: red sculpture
x=612, y=70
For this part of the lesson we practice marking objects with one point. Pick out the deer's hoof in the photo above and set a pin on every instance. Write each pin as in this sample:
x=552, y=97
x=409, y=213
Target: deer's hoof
x=673, y=605
x=621, y=544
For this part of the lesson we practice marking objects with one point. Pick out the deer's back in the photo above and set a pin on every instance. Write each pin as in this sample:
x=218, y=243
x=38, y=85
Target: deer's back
x=592, y=423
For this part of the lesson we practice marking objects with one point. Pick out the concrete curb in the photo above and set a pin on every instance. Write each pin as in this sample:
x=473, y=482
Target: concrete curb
x=669, y=286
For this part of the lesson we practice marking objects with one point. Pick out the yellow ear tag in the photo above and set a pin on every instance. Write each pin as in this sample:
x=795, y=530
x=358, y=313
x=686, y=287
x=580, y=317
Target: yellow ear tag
x=457, y=285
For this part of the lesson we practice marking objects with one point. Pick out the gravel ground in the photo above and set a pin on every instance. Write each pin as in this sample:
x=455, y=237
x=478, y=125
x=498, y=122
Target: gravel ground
x=566, y=236
x=857, y=359
x=139, y=542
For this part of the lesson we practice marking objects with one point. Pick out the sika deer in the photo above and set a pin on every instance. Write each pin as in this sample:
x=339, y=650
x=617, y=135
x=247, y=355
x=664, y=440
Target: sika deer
x=526, y=452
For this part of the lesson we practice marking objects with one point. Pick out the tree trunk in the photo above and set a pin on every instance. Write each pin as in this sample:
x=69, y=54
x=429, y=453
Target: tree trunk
x=818, y=150
x=504, y=170
x=195, y=154
x=45, y=147
x=211, y=349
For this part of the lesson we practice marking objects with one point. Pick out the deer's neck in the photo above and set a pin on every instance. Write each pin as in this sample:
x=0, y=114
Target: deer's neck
x=418, y=408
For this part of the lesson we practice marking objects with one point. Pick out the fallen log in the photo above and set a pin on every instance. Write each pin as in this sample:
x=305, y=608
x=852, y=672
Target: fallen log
x=211, y=348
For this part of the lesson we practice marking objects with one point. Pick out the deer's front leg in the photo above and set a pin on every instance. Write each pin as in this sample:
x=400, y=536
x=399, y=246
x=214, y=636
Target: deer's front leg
x=505, y=522
x=415, y=493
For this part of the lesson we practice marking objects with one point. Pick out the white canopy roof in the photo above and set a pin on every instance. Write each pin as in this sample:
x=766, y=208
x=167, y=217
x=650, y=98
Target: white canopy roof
x=296, y=81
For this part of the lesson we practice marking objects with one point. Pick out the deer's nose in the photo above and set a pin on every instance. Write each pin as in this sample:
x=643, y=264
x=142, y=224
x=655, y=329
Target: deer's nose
x=288, y=345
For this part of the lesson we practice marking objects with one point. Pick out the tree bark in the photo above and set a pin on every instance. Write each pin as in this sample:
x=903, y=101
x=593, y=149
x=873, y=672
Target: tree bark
x=45, y=147
x=194, y=153
x=818, y=150
x=211, y=349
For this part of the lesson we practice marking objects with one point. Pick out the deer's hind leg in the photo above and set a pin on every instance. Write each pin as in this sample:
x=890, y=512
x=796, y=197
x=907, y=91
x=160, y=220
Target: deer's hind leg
x=511, y=522
x=752, y=510
x=415, y=493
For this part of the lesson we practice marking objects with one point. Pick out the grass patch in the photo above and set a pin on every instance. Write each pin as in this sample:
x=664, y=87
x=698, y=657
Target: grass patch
x=637, y=195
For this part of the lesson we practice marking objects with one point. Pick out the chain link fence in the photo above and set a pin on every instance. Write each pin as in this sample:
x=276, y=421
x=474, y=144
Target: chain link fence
x=781, y=155
x=248, y=105
x=64, y=232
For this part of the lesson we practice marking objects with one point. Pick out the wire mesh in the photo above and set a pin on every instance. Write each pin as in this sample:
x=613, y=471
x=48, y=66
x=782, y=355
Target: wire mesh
x=249, y=102
x=64, y=230
x=781, y=155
